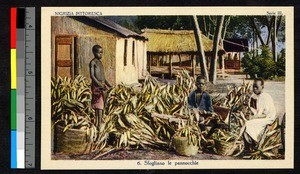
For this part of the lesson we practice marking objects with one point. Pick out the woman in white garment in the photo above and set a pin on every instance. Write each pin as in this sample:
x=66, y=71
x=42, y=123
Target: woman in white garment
x=264, y=113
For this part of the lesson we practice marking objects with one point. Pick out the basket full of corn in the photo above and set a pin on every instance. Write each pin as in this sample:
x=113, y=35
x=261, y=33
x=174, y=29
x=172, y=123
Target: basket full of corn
x=71, y=115
x=183, y=147
x=186, y=140
x=226, y=143
x=222, y=147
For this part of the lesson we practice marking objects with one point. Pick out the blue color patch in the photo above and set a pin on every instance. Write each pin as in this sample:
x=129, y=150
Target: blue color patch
x=13, y=150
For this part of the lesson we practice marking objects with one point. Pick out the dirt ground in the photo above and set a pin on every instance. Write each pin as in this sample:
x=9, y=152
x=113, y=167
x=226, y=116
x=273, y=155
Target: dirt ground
x=274, y=88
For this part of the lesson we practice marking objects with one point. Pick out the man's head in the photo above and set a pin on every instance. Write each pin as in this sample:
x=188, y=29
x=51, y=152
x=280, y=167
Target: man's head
x=97, y=51
x=258, y=86
x=200, y=83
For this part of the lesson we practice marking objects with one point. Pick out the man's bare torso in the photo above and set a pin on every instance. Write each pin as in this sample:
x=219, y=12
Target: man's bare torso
x=98, y=69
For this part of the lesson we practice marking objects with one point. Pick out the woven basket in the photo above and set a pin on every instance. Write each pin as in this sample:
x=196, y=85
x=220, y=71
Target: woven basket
x=72, y=141
x=222, y=147
x=182, y=147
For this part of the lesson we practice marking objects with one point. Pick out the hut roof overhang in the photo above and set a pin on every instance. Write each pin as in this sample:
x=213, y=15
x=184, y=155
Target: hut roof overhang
x=236, y=45
x=176, y=41
x=101, y=22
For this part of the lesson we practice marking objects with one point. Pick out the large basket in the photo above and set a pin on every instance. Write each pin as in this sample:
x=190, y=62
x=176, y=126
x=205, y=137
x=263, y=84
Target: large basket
x=222, y=147
x=182, y=147
x=228, y=148
x=72, y=141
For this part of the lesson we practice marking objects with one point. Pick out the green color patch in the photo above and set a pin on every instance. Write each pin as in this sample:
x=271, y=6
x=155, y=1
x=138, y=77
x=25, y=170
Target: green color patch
x=13, y=109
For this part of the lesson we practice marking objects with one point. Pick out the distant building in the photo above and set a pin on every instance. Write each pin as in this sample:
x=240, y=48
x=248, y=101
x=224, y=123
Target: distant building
x=234, y=48
x=72, y=39
x=171, y=50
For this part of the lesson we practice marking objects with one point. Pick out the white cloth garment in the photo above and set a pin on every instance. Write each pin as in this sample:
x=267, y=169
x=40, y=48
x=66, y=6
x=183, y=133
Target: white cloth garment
x=263, y=114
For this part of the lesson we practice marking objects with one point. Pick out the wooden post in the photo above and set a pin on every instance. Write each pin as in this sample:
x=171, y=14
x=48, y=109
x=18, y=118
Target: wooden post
x=180, y=61
x=193, y=65
x=149, y=63
x=223, y=63
x=240, y=54
x=170, y=66
x=161, y=60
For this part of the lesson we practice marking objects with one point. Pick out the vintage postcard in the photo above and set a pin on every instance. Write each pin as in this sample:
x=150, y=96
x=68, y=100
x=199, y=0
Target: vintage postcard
x=167, y=87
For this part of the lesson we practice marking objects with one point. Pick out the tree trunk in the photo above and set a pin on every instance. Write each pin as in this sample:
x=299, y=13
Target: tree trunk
x=208, y=30
x=270, y=26
x=278, y=25
x=253, y=43
x=274, y=40
x=217, y=36
x=257, y=30
x=256, y=46
x=276, y=33
x=224, y=29
x=204, y=26
x=275, y=26
x=200, y=51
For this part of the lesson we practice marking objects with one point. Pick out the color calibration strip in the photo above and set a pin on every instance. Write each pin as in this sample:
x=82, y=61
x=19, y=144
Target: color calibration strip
x=22, y=87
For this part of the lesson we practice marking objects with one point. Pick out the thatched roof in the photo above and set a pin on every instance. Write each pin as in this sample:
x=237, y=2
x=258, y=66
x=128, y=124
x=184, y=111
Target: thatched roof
x=174, y=41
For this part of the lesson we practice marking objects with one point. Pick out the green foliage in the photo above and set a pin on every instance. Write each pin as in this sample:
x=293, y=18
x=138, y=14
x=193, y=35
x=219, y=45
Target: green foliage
x=239, y=27
x=71, y=100
x=266, y=52
x=263, y=65
x=280, y=64
x=164, y=22
x=267, y=67
x=249, y=66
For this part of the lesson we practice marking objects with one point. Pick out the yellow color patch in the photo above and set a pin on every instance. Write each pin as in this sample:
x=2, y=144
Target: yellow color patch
x=13, y=66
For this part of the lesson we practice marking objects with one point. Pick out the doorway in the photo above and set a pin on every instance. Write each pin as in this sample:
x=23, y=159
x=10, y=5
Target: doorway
x=65, y=55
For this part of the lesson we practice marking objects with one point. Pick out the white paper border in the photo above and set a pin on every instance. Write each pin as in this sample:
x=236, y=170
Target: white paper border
x=48, y=163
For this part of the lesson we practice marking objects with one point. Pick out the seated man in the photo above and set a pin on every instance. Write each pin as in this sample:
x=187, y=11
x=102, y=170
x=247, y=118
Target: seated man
x=264, y=113
x=199, y=98
x=200, y=101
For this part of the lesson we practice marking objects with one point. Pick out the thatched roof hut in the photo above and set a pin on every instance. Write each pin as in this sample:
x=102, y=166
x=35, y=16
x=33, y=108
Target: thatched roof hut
x=169, y=50
x=175, y=41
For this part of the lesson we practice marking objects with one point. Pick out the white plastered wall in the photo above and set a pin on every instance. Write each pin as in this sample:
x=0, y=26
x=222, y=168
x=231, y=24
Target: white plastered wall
x=127, y=74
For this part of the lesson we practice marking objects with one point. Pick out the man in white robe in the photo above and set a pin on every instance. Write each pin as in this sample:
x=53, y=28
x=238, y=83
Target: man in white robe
x=264, y=113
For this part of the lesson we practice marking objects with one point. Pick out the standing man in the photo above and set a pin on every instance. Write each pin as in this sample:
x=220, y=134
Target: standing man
x=199, y=98
x=99, y=83
x=264, y=113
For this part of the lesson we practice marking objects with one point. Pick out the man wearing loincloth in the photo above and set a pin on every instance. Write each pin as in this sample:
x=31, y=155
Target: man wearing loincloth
x=99, y=83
